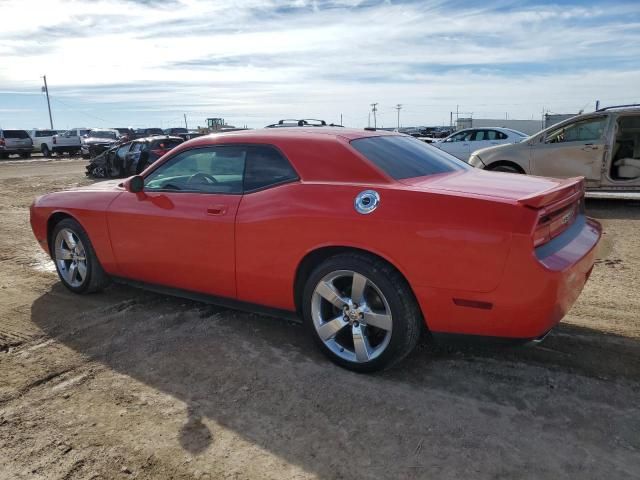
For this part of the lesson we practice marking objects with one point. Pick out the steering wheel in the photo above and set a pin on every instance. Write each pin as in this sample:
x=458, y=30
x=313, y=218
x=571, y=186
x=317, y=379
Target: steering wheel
x=201, y=177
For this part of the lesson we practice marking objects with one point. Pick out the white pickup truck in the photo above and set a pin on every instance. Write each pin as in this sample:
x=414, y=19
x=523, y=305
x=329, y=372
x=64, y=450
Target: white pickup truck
x=69, y=141
x=42, y=140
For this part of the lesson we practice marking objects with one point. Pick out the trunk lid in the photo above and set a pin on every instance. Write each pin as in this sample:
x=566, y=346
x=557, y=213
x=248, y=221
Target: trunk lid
x=527, y=190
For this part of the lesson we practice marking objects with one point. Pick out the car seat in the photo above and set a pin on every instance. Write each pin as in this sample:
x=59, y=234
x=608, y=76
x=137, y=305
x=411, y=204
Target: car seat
x=630, y=167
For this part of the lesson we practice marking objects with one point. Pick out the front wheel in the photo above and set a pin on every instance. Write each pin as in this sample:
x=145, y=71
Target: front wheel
x=361, y=312
x=76, y=261
x=25, y=155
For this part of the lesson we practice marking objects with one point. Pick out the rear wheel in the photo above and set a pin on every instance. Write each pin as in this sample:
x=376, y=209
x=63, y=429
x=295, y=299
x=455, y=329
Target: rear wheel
x=45, y=150
x=361, y=312
x=25, y=155
x=76, y=262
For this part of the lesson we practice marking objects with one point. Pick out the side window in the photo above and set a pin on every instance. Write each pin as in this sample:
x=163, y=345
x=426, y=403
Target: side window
x=205, y=170
x=500, y=135
x=581, y=131
x=458, y=137
x=479, y=135
x=122, y=151
x=136, y=147
x=265, y=167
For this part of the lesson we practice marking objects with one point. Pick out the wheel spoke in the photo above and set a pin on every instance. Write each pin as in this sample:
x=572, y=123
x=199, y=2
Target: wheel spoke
x=71, y=273
x=357, y=288
x=68, y=239
x=361, y=343
x=331, y=328
x=82, y=270
x=63, y=254
x=380, y=320
x=330, y=294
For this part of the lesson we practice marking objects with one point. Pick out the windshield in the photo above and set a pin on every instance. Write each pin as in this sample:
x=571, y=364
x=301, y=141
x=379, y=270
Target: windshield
x=406, y=157
x=15, y=134
x=102, y=134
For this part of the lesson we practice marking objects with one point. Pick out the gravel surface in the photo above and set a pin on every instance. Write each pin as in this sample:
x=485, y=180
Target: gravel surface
x=131, y=384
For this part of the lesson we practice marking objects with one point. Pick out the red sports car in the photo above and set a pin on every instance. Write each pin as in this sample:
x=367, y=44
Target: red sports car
x=370, y=237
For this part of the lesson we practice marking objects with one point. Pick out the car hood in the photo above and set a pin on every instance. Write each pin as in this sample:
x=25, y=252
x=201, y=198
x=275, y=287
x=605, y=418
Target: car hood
x=482, y=183
x=108, y=185
x=499, y=149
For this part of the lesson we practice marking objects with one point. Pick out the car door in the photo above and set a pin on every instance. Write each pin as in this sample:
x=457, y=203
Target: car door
x=458, y=144
x=179, y=231
x=571, y=150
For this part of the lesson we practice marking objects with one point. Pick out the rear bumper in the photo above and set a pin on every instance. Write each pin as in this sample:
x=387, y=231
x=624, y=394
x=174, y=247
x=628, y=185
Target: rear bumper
x=537, y=290
x=14, y=150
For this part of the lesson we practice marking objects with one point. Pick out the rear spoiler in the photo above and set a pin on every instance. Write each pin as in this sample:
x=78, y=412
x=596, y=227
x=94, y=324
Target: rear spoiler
x=567, y=191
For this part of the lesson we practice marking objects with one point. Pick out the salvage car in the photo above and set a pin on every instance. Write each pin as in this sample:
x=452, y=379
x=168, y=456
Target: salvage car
x=463, y=142
x=602, y=146
x=15, y=142
x=130, y=158
x=370, y=237
x=96, y=141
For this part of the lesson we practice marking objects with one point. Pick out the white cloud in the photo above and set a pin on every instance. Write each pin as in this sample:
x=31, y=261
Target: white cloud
x=255, y=61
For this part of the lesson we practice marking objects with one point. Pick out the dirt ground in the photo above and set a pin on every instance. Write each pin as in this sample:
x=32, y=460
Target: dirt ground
x=131, y=384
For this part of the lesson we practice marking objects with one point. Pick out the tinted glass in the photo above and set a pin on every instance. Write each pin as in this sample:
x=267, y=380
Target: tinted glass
x=102, y=134
x=582, y=131
x=15, y=134
x=405, y=157
x=204, y=170
x=45, y=133
x=83, y=132
x=154, y=131
x=265, y=167
x=165, y=144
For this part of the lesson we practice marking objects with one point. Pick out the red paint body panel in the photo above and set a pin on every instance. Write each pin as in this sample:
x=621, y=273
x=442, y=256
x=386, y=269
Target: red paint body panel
x=466, y=235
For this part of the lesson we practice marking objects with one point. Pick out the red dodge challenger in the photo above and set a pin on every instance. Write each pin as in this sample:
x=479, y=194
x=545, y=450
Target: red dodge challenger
x=370, y=237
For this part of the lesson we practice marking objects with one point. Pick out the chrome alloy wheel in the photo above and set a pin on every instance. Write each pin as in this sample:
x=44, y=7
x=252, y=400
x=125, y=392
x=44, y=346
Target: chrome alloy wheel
x=351, y=316
x=70, y=257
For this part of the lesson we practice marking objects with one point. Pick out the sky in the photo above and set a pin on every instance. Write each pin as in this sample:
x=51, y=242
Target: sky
x=119, y=63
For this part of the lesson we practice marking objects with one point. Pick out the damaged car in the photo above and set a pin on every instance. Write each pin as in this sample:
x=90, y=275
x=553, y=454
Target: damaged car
x=130, y=158
x=96, y=141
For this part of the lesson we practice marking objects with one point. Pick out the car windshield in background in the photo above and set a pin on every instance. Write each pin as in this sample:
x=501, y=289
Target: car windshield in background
x=84, y=132
x=405, y=157
x=102, y=134
x=154, y=131
x=15, y=134
x=46, y=133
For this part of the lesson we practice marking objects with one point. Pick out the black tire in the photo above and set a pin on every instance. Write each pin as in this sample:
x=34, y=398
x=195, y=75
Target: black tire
x=3, y=156
x=407, y=320
x=504, y=168
x=96, y=278
x=45, y=151
x=25, y=155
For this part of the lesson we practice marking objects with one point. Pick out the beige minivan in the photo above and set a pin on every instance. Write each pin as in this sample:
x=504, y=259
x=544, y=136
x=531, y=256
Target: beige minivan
x=603, y=147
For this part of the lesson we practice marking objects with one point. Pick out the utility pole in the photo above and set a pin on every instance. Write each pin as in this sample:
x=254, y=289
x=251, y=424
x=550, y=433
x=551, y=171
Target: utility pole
x=45, y=89
x=398, y=107
x=597, y=105
x=369, y=120
x=374, y=109
x=185, y=121
x=341, y=120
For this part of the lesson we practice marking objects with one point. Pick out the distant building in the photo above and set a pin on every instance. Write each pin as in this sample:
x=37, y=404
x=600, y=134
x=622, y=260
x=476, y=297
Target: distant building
x=525, y=126
x=553, y=118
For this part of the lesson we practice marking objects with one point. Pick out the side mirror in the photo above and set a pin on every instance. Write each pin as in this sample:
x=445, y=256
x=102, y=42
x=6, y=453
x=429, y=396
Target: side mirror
x=134, y=184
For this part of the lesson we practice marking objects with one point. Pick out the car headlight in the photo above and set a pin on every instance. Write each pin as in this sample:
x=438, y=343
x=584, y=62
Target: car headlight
x=475, y=161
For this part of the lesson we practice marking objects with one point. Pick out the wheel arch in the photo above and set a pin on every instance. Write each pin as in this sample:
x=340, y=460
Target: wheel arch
x=318, y=255
x=52, y=221
x=506, y=163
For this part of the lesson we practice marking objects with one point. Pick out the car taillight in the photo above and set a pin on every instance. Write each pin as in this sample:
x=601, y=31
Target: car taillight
x=55, y=140
x=552, y=223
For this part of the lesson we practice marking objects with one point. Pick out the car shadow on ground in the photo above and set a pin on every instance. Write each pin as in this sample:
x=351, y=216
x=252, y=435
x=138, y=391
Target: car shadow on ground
x=265, y=379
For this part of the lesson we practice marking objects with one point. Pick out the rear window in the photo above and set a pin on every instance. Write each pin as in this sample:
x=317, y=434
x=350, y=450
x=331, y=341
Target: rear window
x=406, y=157
x=154, y=131
x=15, y=134
x=165, y=144
x=45, y=133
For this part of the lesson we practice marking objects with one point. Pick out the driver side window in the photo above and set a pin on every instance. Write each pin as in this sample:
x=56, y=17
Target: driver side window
x=204, y=170
x=582, y=131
